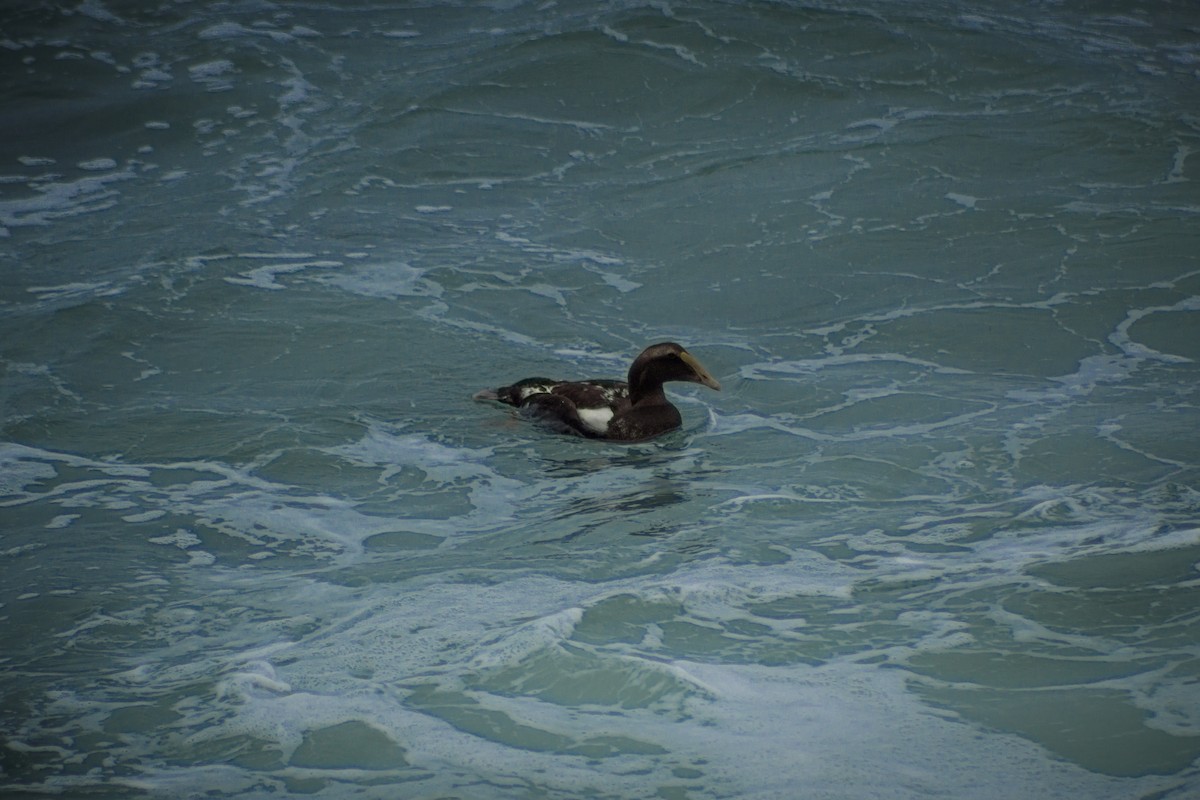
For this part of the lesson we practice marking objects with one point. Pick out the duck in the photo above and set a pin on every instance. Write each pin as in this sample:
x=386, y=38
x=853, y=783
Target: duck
x=633, y=410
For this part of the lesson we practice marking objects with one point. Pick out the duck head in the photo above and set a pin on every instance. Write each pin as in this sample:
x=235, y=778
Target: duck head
x=663, y=362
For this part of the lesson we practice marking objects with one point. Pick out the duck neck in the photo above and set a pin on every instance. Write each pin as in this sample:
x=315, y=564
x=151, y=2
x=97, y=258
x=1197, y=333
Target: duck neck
x=645, y=390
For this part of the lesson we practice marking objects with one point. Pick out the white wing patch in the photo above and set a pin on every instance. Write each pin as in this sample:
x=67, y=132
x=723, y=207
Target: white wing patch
x=596, y=418
x=526, y=392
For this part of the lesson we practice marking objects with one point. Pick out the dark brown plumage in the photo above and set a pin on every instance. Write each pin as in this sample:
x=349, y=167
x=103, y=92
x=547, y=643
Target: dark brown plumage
x=623, y=411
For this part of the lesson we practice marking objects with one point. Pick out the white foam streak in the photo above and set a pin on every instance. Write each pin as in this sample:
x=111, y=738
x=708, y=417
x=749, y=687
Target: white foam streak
x=766, y=370
x=728, y=424
x=56, y=199
x=583, y=126
x=529, y=638
x=265, y=277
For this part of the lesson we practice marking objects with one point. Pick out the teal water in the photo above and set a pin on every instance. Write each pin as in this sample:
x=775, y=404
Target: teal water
x=937, y=536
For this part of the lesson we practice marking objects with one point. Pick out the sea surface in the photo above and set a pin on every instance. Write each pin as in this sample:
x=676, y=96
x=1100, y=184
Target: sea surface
x=938, y=536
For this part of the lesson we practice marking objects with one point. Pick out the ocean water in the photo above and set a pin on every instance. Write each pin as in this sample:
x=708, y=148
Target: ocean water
x=938, y=536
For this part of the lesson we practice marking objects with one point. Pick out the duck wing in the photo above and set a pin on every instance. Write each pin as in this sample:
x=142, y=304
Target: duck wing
x=594, y=394
x=580, y=407
x=517, y=393
x=559, y=414
x=593, y=403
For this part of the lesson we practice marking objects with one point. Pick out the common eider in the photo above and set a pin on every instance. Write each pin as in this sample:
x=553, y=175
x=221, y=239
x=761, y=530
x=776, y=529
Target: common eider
x=620, y=411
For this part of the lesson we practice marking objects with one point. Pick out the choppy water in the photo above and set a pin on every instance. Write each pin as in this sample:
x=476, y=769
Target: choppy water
x=938, y=537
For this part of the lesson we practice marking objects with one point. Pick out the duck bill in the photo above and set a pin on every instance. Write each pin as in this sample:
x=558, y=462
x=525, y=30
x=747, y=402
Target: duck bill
x=702, y=375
